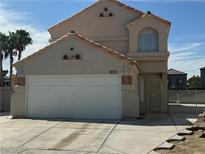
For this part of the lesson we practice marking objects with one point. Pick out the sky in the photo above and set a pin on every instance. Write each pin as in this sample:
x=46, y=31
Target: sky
x=186, y=38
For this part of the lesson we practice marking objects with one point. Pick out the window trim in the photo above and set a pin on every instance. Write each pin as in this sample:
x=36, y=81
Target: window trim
x=180, y=79
x=150, y=36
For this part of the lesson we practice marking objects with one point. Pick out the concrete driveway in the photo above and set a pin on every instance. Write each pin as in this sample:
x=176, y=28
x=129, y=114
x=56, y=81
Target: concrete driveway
x=82, y=137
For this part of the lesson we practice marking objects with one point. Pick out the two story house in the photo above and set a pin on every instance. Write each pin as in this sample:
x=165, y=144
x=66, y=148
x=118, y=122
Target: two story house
x=177, y=79
x=109, y=61
x=202, y=72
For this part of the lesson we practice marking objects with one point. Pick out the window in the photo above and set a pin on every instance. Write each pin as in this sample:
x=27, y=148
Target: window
x=179, y=81
x=168, y=81
x=148, y=41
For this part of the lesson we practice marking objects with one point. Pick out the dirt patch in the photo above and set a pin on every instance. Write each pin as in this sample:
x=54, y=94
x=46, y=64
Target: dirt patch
x=192, y=144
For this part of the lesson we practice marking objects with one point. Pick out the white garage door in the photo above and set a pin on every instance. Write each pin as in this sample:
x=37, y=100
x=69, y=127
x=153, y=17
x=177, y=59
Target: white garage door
x=84, y=96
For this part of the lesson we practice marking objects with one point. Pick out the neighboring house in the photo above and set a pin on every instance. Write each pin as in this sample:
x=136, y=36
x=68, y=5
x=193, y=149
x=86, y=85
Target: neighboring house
x=202, y=77
x=177, y=79
x=108, y=61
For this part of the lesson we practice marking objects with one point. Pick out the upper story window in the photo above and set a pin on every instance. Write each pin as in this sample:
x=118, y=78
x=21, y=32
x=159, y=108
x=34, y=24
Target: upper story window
x=148, y=41
x=180, y=81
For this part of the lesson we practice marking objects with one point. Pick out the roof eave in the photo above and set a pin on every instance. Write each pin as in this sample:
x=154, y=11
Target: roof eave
x=126, y=7
x=79, y=37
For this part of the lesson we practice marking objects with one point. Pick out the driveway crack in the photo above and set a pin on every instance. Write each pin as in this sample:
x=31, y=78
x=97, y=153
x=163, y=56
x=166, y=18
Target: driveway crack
x=39, y=135
x=107, y=136
x=172, y=119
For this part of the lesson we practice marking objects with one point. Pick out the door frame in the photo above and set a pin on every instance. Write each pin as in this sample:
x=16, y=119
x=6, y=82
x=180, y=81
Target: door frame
x=147, y=110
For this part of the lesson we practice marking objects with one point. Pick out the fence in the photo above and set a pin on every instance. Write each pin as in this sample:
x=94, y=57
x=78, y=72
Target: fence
x=186, y=101
x=5, y=98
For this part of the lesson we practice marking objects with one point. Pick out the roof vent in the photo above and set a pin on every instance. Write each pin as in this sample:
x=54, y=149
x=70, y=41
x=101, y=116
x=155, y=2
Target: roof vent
x=101, y=15
x=110, y=14
x=105, y=9
x=149, y=12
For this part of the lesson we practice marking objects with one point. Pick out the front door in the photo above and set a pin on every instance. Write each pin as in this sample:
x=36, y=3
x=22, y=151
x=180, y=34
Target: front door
x=153, y=95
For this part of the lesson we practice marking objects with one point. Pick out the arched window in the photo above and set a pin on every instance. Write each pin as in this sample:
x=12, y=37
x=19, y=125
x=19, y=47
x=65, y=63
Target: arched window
x=148, y=41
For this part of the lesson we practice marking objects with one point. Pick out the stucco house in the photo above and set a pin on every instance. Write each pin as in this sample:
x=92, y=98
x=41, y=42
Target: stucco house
x=109, y=61
x=202, y=72
x=177, y=79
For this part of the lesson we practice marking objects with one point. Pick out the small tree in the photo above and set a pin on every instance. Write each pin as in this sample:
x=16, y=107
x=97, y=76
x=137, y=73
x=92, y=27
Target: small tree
x=194, y=82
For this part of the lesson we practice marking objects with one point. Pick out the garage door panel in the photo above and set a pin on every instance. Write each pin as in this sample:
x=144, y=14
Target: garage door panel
x=51, y=81
x=77, y=94
x=87, y=101
x=86, y=97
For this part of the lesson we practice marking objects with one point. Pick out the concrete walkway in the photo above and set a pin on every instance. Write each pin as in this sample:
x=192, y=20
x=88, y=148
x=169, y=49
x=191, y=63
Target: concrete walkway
x=82, y=137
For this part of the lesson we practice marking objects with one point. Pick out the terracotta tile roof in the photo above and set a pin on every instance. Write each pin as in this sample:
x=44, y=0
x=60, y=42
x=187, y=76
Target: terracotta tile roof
x=95, y=45
x=175, y=72
x=115, y=2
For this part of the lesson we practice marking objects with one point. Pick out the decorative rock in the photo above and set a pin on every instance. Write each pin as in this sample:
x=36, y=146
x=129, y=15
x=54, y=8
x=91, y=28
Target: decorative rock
x=201, y=125
x=202, y=134
x=190, y=128
x=185, y=132
x=202, y=114
x=176, y=138
x=165, y=145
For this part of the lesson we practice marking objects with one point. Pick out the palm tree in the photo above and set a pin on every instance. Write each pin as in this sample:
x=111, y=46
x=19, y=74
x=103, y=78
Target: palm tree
x=11, y=52
x=15, y=44
x=23, y=40
x=3, y=50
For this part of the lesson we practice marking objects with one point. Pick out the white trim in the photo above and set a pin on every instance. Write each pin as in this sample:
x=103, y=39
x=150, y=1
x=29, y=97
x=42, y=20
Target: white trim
x=84, y=75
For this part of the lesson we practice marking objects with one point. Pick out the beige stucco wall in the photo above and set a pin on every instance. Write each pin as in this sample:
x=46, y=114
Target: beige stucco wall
x=119, y=45
x=89, y=24
x=153, y=66
x=130, y=98
x=5, y=98
x=194, y=98
x=18, y=102
x=164, y=92
x=119, y=32
x=92, y=62
x=187, y=96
